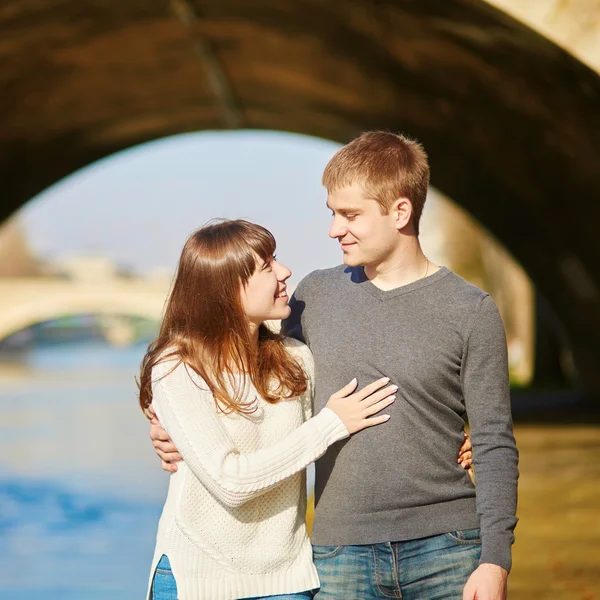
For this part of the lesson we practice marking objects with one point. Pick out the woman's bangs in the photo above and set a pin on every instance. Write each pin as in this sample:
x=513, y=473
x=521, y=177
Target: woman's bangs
x=262, y=242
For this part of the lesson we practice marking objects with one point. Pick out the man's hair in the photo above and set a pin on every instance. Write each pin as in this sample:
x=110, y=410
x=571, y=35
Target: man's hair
x=387, y=166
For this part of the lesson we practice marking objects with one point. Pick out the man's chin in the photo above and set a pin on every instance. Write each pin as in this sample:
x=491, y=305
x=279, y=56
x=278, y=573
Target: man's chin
x=351, y=261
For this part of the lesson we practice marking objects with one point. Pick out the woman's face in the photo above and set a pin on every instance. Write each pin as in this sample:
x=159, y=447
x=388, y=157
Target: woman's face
x=264, y=296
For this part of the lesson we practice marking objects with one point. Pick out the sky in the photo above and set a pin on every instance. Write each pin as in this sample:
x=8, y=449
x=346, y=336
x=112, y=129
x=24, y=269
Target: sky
x=138, y=206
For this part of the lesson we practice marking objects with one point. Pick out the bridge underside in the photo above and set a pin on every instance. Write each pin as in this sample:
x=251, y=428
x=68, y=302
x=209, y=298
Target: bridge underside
x=510, y=121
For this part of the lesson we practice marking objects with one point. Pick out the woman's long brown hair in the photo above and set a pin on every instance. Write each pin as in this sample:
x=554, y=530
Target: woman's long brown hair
x=205, y=327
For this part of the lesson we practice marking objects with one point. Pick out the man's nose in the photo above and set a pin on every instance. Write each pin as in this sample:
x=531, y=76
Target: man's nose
x=337, y=229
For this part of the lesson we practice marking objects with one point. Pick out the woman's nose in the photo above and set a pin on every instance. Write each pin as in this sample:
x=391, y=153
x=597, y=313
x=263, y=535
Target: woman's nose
x=283, y=272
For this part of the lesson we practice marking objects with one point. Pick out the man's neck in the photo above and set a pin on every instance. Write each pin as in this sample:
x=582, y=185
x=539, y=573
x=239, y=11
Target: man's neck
x=406, y=265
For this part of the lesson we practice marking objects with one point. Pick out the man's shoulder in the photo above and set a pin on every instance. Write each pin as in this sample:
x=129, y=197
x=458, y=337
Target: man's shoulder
x=316, y=280
x=461, y=292
x=326, y=274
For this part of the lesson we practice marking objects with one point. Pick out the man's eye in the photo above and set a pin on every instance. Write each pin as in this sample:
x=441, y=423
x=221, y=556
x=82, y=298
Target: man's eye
x=351, y=217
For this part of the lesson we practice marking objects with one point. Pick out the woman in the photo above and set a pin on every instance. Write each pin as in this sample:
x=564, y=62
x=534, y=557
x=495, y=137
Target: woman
x=236, y=400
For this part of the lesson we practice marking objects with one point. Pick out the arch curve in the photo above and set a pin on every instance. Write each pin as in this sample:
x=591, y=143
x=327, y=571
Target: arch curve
x=509, y=119
x=22, y=308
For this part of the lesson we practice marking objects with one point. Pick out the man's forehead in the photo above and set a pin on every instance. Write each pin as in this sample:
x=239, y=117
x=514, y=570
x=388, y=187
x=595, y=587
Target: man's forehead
x=348, y=198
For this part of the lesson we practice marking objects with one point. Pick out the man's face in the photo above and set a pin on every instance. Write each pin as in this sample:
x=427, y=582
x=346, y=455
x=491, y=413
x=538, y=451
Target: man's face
x=366, y=236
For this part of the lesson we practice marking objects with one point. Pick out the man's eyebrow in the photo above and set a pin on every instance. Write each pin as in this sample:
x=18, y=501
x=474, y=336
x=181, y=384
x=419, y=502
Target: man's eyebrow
x=346, y=209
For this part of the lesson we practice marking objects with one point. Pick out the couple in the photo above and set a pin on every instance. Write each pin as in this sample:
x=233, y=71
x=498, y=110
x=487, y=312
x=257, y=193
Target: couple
x=392, y=351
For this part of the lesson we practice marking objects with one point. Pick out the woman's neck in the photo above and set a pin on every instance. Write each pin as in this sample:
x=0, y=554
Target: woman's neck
x=253, y=330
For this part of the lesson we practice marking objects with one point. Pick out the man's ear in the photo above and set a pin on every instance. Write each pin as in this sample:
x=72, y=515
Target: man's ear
x=402, y=211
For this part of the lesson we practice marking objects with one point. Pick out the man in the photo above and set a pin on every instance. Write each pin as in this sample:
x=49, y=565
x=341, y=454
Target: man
x=396, y=516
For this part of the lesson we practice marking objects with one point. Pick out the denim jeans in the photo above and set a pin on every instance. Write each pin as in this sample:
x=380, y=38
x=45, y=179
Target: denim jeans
x=163, y=583
x=164, y=587
x=432, y=568
x=309, y=595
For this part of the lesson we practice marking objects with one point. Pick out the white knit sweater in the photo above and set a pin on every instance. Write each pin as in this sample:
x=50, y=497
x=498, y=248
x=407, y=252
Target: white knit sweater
x=233, y=524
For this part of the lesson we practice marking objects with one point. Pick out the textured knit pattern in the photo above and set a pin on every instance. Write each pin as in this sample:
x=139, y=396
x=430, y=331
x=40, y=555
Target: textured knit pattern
x=233, y=524
x=441, y=340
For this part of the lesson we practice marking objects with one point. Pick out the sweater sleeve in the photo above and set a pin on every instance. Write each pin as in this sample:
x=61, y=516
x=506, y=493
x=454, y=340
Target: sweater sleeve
x=309, y=396
x=190, y=417
x=495, y=457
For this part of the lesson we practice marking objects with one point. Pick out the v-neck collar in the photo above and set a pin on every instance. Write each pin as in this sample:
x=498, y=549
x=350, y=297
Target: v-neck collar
x=358, y=276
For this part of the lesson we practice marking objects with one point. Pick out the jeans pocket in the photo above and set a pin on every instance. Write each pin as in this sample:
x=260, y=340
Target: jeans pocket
x=322, y=552
x=466, y=537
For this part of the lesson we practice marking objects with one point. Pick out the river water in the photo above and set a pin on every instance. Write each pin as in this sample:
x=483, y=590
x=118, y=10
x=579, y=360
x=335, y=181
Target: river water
x=80, y=487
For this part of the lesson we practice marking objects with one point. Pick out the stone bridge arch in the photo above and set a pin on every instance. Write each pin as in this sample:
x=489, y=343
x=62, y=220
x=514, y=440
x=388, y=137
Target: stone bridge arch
x=26, y=302
x=510, y=119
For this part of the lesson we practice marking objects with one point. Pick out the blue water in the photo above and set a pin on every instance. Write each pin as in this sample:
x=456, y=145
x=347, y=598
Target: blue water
x=80, y=487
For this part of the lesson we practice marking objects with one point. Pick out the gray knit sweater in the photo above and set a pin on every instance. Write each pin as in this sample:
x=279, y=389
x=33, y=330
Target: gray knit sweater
x=441, y=340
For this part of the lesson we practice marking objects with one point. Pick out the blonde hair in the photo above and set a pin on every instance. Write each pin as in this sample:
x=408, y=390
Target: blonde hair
x=387, y=166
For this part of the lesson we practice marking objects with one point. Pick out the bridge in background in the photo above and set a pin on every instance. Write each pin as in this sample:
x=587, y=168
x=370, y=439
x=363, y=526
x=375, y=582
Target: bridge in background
x=82, y=286
x=509, y=117
x=26, y=302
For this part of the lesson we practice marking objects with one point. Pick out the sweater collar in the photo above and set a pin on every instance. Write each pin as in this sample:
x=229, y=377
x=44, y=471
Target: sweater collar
x=357, y=275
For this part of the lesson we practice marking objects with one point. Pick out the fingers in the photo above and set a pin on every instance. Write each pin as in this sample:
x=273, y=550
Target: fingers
x=169, y=456
x=165, y=447
x=372, y=388
x=158, y=433
x=380, y=395
x=465, y=453
x=377, y=406
x=466, y=461
x=375, y=421
x=346, y=390
x=466, y=445
x=170, y=468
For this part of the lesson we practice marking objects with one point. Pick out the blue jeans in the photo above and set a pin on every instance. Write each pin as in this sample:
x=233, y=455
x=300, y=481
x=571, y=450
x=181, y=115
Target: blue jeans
x=432, y=568
x=163, y=583
x=165, y=588
x=309, y=595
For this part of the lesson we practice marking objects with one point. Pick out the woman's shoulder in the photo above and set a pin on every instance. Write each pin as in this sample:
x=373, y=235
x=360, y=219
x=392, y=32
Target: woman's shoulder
x=295, y=347
x=170, y=367
x=301, y=352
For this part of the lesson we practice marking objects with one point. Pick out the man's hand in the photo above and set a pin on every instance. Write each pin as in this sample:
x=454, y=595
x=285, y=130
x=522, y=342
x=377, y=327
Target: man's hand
x=163, y=446
x=487, y=582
